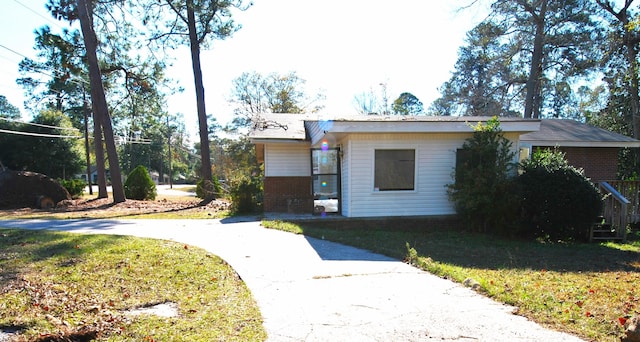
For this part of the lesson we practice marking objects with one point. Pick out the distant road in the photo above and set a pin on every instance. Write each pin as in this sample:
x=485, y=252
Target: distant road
x=163, y=189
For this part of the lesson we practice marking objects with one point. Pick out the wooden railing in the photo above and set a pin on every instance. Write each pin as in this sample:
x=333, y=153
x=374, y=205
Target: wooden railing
x=631, y=191
x=615, y=215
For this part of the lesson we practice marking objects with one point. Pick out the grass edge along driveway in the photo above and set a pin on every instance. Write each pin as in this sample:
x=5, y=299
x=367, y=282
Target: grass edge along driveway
x=588, y=290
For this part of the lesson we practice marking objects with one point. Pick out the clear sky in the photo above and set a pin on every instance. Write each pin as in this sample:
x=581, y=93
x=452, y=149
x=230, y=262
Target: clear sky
x=340, y=47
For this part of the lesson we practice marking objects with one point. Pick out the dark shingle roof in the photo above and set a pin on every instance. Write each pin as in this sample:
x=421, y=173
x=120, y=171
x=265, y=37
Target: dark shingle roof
x=571, y=133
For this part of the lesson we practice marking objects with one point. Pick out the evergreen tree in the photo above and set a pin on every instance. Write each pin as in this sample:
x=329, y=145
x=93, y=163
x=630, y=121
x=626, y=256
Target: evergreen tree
x=523, y=60
x=407, y=104
x=484, y=190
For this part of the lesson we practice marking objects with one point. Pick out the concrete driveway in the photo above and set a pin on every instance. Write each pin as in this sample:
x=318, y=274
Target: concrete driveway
x=314, y=290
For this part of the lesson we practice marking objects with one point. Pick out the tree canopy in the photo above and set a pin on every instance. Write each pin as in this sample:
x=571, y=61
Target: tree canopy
x=49, y=144
x=254, y=93
x=407, y=104
x=523, y=60
x=8, y=110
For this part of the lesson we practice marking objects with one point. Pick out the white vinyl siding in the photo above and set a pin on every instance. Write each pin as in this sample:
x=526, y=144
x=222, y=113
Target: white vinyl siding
x=287, y=160
x=345, y=168
x=435, y=157
x=435, y=162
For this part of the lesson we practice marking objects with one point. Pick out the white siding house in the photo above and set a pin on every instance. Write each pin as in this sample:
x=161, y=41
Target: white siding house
x=389, y=166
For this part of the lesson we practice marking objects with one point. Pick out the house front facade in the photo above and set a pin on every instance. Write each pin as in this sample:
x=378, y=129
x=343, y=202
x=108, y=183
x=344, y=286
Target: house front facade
x=365, y=166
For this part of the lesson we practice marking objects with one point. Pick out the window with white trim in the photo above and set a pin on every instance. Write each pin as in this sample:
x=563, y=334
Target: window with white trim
x=394, y=170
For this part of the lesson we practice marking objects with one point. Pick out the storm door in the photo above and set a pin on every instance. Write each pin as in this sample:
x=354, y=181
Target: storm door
x=325, y=169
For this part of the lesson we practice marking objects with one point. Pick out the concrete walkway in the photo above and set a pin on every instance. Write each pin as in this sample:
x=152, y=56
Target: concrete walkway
x=314, y=290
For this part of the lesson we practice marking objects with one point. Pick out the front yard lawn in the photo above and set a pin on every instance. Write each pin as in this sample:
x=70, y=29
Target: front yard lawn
x=71, y=287
x=588, y=290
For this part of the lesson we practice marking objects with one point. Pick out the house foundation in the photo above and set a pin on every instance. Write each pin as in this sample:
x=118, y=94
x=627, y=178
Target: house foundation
x=288, y=195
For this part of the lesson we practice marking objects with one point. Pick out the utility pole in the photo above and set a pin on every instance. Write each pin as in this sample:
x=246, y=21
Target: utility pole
x=385, y=98
x=85, y=110
x=170, y=163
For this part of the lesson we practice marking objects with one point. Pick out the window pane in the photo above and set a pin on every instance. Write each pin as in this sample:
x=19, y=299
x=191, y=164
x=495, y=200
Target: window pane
x=325, y=162
x=325, y=187
x=394, y=170
x=325, y=194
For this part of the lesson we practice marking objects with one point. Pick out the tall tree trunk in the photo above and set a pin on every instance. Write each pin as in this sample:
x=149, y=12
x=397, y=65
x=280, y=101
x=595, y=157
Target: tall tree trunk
x=98, y=100
x=629, y=41
x=632, y=59
x=533, y=96
x=197, y=76
x=632, y=56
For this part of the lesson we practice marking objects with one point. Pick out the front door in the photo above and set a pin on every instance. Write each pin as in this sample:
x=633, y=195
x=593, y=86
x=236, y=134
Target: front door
x=325, y=168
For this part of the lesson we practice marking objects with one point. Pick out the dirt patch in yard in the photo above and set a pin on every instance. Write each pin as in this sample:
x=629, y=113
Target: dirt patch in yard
x=104, y=207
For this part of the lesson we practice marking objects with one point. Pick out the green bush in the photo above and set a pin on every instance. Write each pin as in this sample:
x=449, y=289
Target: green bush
x=559, y=202
x=139, y=185
x=484, y=193
x=211, y=188
x=75, y=187
x=246, y=195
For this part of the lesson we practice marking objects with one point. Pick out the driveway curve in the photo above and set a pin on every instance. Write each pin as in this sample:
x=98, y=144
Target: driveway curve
x=315, y=290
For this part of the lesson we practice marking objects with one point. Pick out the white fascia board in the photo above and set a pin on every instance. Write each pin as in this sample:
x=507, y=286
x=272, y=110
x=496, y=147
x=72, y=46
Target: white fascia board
x=347, y=127
x=425, y=127
x=278, y=141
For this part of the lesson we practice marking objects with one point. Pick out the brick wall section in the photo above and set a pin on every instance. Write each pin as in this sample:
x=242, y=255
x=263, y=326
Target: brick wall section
x=599, y=163
x=288, y=195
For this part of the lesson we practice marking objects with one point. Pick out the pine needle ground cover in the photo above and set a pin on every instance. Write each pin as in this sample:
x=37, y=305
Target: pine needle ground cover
x=59, y=286
x=164, y=207
x=588, y=290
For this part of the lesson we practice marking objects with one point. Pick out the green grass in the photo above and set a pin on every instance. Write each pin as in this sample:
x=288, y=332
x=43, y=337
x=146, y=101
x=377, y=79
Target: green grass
x=55, y=284
x=583, y=289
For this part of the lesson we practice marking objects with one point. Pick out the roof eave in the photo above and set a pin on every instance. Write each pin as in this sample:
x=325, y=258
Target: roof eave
x=277, y=141
x=381, y=127
x=619, y=144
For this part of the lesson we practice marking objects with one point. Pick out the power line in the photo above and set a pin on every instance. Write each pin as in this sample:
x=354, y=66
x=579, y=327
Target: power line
x=38, y=14
x=36, y=124
x=33, y=69
x=122, y=140
x=41, y=135
x=14, y=51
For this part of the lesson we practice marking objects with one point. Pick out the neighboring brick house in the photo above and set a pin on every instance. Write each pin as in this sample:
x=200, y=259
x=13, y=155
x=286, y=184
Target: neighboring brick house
x=593, y=149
